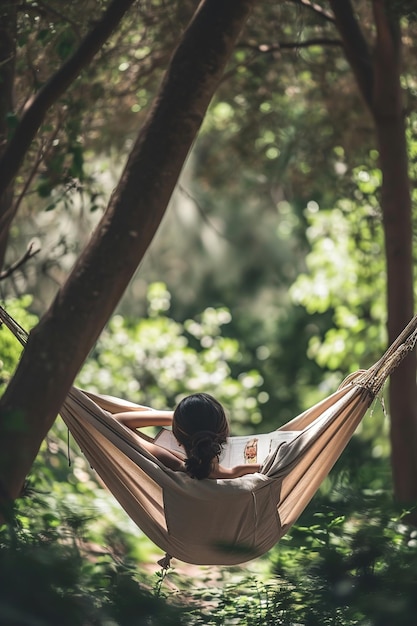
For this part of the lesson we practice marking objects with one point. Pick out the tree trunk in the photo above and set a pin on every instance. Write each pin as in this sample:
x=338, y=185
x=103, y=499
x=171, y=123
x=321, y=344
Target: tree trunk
x=378, y=77
x=59, y=344
x=396, y=205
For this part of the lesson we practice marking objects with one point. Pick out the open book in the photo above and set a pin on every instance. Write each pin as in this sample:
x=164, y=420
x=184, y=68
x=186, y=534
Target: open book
x=237, y=450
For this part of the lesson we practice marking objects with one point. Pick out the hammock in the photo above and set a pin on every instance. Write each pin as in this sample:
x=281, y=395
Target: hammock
x=227, y=521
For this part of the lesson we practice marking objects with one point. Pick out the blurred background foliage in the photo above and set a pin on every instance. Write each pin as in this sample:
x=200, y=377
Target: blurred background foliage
x=265, y=286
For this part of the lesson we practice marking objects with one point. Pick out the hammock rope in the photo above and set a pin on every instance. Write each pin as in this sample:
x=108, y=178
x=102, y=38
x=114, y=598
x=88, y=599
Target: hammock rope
x=223, y=522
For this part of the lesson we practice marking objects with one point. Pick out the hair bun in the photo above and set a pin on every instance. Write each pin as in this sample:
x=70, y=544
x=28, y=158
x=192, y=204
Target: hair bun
x=204, y=449
x=205, y=445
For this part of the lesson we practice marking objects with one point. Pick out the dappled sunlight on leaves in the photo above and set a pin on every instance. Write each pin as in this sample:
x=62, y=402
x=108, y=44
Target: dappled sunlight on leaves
x=346, y=275
x=155, y=361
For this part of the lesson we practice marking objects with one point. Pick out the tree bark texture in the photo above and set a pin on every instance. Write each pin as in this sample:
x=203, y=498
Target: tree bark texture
x=388, y=111
x=379, y=79
x=60, y=343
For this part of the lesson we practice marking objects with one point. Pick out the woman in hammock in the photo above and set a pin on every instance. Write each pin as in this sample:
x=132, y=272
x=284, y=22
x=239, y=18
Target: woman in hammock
x=200, y=426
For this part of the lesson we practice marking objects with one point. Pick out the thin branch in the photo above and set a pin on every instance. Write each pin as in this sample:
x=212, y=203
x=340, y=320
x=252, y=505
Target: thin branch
x=204, y=215
x=47, y=9
x=40, y=9
x=290, y=45
x=316, y=8
x=157, y=62
x=42, y=152
x=6, y=60
x=39, y=104
x=271, y=48
x=30, y=252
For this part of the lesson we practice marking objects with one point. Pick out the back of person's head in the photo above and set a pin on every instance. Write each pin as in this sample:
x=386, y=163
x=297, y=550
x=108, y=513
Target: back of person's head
x=201, y=427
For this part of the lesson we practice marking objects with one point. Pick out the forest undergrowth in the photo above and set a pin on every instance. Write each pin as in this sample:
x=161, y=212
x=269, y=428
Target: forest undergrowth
x=58, y=565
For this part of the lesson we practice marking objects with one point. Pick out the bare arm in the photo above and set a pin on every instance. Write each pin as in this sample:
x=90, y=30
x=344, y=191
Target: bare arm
x=143, y=418
x=153, y=417
x=166, y=457
x=234, y=472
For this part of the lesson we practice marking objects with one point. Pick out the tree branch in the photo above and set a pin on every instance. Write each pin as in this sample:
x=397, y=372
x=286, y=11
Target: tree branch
x=272, y=48
x=291, y=45
x=35, y=165
x=47, y=10
x=37, y=107
x=30, y=252
x=316, y=8
x=356, y=47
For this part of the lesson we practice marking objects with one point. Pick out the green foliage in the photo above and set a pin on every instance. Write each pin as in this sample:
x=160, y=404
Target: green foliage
x=278, y=138
x=346, y=274
x=51, y=573
x=156, y=360
x=345, y=280
x=70, y=556
x=248, y=603
x=353, y=569
x=10, y=349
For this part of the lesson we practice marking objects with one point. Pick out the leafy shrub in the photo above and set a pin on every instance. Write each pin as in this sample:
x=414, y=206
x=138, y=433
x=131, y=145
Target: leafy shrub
x=50, y=573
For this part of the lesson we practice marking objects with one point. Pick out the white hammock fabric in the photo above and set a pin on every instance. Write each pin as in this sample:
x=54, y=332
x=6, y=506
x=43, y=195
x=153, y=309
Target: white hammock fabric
x=228, y=521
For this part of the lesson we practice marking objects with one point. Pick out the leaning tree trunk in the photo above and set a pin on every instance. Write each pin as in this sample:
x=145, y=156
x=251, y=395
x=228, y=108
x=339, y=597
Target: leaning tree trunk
x=62, y=340
x=378, y=76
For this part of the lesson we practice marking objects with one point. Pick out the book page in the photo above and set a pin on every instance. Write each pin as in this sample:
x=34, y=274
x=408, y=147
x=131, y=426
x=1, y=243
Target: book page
x=237, y=450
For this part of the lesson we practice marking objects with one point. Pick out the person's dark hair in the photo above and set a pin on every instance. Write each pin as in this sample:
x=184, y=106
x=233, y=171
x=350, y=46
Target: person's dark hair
x=201, y=427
